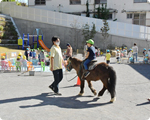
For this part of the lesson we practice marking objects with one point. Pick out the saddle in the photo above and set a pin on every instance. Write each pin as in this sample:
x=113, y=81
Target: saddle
x=92, y=65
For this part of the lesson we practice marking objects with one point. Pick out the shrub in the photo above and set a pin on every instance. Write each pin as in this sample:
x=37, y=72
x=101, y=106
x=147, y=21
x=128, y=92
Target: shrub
x=1, y=28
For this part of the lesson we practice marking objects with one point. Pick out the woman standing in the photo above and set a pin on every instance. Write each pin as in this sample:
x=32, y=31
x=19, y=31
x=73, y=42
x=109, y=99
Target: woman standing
x=56, y=64
x=69, y=51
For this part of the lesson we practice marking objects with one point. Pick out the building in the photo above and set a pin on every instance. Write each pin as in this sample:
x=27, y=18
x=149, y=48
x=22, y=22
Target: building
x=131, y=11
x=77, y=7
x=128, y=11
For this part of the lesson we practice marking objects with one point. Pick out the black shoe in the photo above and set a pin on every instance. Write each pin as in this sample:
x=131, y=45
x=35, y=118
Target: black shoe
x=86, y=74
x=51, y=88
x=58, y=93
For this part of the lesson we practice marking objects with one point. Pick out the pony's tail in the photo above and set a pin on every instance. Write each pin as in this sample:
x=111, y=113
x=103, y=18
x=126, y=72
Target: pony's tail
x=112, y=82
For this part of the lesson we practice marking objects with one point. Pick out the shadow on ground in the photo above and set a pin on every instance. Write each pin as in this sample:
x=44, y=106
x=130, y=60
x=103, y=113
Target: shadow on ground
x=143, y=69
x=62, y=102
x=145, y=103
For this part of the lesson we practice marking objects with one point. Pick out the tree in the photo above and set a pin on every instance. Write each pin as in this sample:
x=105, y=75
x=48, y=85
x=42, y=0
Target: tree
x=74, y=33
x=87, y=9
x=102, y=12
x=104, y=30
x=87, y=33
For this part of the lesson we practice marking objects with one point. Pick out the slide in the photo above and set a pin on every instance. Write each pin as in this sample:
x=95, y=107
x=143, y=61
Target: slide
x=44, y=46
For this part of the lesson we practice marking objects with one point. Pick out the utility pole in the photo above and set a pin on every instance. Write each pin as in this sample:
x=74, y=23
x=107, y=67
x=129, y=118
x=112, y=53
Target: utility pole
x=99, y=3
x=94, y=9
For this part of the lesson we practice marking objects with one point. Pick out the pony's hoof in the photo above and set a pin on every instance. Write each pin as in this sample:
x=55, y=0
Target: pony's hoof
x=80, y=94
x=113, y=99
x=95, y=93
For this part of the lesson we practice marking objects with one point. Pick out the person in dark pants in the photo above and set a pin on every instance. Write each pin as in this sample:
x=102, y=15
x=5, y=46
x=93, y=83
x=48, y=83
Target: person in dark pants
x=26, y=53
x=58, y=76
x=56, y=61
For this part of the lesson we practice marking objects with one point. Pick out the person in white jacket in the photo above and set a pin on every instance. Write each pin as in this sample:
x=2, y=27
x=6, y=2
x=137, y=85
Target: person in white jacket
x=135, y=51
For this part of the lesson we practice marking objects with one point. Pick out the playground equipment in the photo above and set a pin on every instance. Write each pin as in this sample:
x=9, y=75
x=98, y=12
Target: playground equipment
x=42, y=66
x=39, y=40
x=25, y=40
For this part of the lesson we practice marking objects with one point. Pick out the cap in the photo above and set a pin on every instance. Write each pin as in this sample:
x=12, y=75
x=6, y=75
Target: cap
x=68, y=44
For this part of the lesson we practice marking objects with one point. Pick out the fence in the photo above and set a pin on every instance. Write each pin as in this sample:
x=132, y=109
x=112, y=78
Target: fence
x=67, y=20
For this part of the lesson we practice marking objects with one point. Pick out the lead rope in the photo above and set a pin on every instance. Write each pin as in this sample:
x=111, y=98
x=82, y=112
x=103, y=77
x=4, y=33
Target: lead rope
x=70, y=79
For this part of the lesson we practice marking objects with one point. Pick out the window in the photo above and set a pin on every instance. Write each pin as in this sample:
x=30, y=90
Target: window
x=40, y=2
x=101, y=1
x=140, y=1
x=74, y=2
x=110, y=16
x=129, y=16
x=139, y=19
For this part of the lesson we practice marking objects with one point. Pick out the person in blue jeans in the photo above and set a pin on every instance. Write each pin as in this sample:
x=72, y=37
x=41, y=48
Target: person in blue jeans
x=34, y=53
x=135, y=51
x=90, y=56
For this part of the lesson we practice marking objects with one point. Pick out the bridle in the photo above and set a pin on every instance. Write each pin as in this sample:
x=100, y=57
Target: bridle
x=69, y=66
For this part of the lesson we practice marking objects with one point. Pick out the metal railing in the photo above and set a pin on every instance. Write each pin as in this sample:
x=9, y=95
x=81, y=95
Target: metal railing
x=67, y=20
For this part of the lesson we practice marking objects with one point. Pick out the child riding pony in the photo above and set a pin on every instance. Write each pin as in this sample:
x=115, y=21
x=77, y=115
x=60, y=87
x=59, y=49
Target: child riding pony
x=102, y=72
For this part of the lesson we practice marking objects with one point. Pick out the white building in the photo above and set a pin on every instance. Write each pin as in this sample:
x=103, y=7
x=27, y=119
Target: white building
x=128, y=11
x=131, y=11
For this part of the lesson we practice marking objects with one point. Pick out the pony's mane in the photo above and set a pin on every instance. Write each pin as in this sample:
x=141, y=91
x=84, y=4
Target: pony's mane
x=78, y=60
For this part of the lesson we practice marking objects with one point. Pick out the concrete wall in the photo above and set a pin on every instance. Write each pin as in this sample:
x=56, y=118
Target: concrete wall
x=75, y=38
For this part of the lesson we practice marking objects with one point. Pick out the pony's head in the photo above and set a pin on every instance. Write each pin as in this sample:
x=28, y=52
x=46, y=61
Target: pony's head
x=69, y=66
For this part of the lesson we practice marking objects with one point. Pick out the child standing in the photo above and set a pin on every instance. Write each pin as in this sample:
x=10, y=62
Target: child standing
x=26, y=53
x=90, y=56
x=30, y=55
x=47, y=60
x=20, y=55
x=129, y=55
x=118, y=56
x=34, y=53
x=18, y=64
x=107, y=57
x=146, y=59
x=42, y=57
x=4, y=63
x=148, y=56
x=24, y=63
x=144, y=53
x=125, y=52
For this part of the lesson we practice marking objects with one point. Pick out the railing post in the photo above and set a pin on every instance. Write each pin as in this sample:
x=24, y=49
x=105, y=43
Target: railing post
x=23, y=42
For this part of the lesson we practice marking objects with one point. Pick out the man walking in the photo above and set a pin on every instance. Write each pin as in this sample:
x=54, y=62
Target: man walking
x=56, y=64
x=135, y=51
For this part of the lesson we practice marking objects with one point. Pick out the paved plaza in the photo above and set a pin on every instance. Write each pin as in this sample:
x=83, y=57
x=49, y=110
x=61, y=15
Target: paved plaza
x=29, y=98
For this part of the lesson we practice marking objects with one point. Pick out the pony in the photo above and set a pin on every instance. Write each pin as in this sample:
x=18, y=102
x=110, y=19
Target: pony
x=102, y=72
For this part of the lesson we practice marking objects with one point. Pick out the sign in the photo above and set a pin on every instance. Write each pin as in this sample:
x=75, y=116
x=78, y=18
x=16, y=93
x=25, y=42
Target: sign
x=13, y=54
x=19, y=41
x=40, y=37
